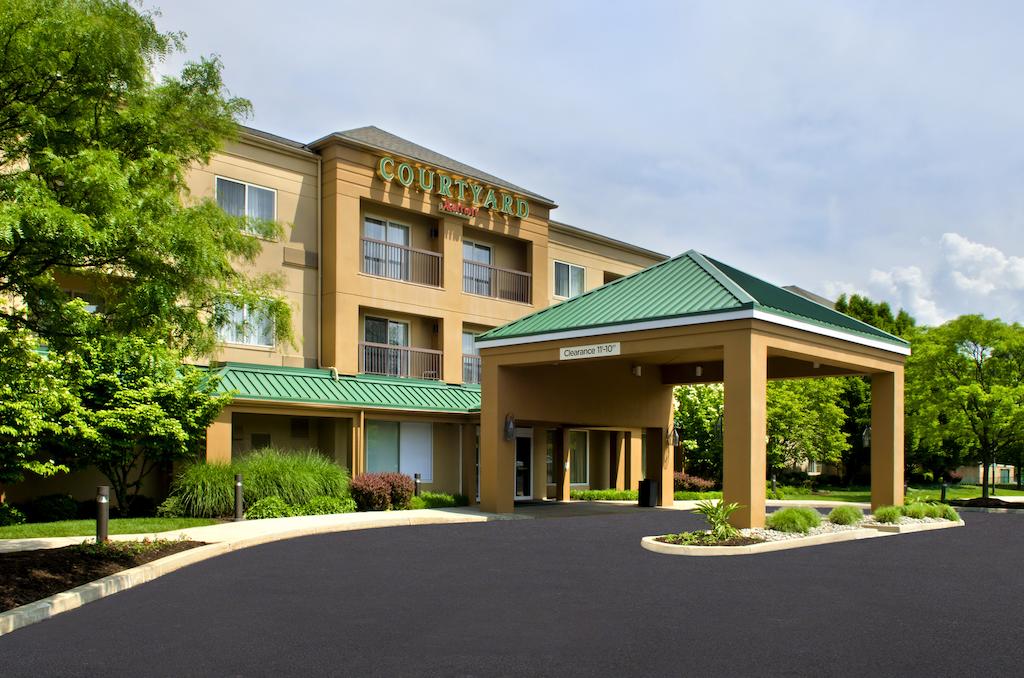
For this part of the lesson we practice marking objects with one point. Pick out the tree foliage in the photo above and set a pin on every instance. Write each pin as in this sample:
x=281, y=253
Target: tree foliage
x=698, y=408
x=93, y=157
x=139, y=408
x=805, y=422
x=94, y=153
x=966, y=388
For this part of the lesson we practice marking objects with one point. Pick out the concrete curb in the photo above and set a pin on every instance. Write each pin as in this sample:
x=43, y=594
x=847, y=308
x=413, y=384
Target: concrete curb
x=46, y=608
x=981, y=509
x=652, y=544
x=916, y=527
x=866, y=532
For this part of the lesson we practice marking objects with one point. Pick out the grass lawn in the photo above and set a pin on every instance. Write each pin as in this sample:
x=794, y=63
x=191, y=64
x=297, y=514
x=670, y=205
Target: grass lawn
x=930, y=493
x=86, y=528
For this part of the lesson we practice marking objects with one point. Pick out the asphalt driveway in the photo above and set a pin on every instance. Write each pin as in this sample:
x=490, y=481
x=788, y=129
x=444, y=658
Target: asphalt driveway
x=561, y=597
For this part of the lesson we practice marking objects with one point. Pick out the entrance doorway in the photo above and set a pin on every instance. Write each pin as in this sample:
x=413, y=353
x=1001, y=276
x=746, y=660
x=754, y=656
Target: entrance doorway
x=524, y=464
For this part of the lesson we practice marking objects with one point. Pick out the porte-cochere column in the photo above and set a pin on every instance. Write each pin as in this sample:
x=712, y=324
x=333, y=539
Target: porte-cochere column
x=887, y=438
x=745, y=427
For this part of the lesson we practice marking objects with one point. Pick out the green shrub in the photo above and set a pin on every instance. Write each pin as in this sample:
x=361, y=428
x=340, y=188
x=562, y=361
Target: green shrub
x=949, y=513
x=917, y=511
x=603, y=495
x=794, y=519
x=888, y=514
x=845, y=515
x=321, y=506
x=935, y=510
x=170, y=508
x=269, y=507
x=685, y=496
x=10, y=515
x=208, y=490
x=717, y=514
x=439, y=500
x=51, y=508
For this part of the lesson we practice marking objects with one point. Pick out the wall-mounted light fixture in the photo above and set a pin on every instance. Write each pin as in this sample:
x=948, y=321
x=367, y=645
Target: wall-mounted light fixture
x=638, y=370
x=700, y=371
x=816, y=365
x=510, y=426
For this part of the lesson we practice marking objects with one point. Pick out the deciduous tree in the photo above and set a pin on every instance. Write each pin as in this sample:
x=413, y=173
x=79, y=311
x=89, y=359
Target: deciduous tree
x=967, y=388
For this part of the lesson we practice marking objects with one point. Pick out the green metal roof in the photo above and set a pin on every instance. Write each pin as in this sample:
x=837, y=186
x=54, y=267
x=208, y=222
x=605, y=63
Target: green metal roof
x=688, y=285
x=319, y=386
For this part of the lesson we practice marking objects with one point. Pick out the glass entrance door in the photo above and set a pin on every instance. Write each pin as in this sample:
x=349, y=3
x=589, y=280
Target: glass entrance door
x=524, y=464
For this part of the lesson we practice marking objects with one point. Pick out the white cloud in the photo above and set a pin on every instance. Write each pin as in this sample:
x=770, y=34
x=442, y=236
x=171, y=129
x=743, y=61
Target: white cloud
x=981, y=269
x=908, y=287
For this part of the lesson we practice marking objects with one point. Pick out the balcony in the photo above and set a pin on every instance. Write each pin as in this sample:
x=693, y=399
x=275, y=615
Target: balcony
x=399, y=262
x=498, y=283
x=400, y=361
x=470, y=369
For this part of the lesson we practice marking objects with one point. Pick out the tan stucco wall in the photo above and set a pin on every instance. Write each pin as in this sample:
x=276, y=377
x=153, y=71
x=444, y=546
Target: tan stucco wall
x=293, y=177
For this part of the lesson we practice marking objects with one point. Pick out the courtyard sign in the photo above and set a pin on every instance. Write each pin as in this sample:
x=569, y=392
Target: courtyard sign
x=453, y=192
x=589, y=351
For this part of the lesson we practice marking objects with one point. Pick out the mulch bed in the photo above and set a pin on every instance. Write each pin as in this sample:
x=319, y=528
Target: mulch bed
x=735, y=541
x=27, y=576
x=991, y=502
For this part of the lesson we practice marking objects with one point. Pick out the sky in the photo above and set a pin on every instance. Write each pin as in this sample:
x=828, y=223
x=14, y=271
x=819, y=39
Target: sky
x=858, y=147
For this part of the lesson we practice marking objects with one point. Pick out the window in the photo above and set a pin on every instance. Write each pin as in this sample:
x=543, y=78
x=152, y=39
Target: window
x=246, y=200
x=476, y=271
x=470, y=359
x=813, y=467
x=246, y=325
x=300, y=427
x=378, y=334
x=259, y=441
x=569, y=280
x=579, y=461
x=403, y=447
x=1004, y=476
x=384, y=252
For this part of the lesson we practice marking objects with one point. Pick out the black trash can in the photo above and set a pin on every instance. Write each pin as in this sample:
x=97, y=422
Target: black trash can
x=648, y=493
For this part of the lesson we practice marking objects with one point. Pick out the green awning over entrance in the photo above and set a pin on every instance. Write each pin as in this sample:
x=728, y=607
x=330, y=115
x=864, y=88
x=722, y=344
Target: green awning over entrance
x=686, y=289
x=321, y=387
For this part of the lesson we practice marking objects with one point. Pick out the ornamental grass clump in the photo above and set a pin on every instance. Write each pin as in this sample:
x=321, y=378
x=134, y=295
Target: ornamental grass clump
x=949, y=513
x=800, y=520
x=207, y=490
x=295, y=477
x=888, y=514
x=845, y=515
x=916, y=511
x=717, y=514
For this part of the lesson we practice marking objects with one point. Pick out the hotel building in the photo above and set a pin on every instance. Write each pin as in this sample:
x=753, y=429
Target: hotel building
x=394, y=258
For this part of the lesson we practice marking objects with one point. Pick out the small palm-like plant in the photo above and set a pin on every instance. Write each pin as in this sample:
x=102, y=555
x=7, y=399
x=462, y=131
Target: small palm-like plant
x=717, y=514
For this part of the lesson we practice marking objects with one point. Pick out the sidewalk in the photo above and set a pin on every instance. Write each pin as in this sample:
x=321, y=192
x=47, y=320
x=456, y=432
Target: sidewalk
x=271, y=529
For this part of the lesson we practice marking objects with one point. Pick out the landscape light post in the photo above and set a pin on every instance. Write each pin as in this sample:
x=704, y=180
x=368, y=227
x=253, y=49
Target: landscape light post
x=416, y=480
x=239, y=508
x=102, y=514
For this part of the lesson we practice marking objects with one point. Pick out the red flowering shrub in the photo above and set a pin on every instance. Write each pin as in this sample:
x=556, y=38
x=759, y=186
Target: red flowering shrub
x=381, y=491
x=400, y=487
x=686, y=483
x=371, y=492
